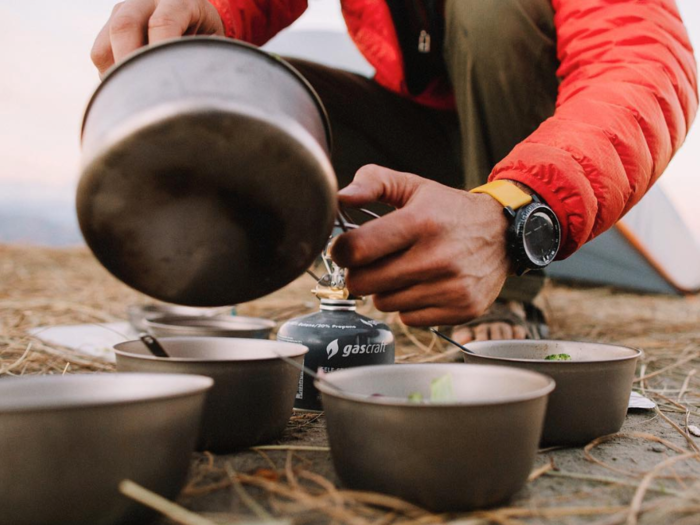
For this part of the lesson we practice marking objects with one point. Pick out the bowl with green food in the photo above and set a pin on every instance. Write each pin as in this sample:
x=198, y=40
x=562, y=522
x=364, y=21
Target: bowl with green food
x=447, y=437
x=594, y=382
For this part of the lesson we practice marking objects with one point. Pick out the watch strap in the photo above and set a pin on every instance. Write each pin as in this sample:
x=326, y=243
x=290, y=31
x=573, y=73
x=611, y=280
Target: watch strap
x=506, y=193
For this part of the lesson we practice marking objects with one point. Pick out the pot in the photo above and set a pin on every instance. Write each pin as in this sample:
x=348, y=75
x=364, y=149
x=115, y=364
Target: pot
x=205, y=172
x=66, y=442
x=474, y=451
x=253, y=394
x=139, y=314
x=593, y=389
x=211, y=326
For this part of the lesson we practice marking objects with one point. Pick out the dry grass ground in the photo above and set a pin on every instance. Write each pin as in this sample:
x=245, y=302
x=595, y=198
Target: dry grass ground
x=650, y=473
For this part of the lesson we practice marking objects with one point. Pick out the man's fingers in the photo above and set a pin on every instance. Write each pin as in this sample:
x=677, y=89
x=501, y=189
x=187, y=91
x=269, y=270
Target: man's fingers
x=375, y=239
x=135, y=23
x=128, y=27
x=389, y=234
x=416, y=297
x=101, y=53
x=376, y=184
x=414, y=267
x=208, y=20
x=171, y=19
x=427, y=294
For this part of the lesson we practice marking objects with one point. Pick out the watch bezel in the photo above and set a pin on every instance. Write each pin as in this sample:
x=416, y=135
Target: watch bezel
x=522, y=260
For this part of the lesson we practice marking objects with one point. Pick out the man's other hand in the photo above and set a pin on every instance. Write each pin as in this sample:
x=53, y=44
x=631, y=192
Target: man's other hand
x=440, y=258
x=135, y=23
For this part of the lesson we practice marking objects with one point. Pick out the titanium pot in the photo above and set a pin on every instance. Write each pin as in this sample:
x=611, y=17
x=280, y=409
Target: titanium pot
x=475, y=451
x=66, y=442
x=593, y=389
x=140, y=313
x=213, y=326
x=205, y=172
x=253, y=394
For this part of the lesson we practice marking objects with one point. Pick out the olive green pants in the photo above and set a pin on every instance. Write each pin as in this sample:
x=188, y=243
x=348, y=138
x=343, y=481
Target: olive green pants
x=501, y=59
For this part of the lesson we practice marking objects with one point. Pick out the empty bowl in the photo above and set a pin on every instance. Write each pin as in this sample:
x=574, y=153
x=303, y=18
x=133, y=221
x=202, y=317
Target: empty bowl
x=474, y=451
x=254, y=390
x=139, y=313
x=210, y=326
x=593, y=388
x=66, y=442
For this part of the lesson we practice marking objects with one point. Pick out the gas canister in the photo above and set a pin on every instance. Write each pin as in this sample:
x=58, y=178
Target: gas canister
x=337, y=337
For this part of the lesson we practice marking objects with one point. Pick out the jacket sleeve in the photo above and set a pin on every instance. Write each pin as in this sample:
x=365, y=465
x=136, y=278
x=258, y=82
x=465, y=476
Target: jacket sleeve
x=627, y=97
x=257, y=21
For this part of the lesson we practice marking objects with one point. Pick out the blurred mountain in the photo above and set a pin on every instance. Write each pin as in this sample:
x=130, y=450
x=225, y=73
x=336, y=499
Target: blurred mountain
x=39, y=231
x=46, y=223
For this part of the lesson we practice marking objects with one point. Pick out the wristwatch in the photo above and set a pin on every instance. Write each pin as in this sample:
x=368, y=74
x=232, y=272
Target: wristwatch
x=534, y=233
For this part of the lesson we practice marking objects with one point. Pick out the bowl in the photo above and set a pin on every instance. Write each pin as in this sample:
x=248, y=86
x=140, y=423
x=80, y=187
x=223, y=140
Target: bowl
x=474, y=452
x=139, y=313
x=254, y=390
x=210, y=326
x=593, y=389
x=66, y=442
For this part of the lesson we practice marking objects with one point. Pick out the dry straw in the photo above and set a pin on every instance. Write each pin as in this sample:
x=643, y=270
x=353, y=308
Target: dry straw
x=41, y=287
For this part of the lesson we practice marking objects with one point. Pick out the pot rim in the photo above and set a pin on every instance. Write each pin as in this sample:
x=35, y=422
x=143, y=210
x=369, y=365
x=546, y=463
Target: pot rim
x=635, y=353
x=187, y=385
x=296, y=350
x=171, y=322
x=276, y=59
x=168, y=309
x=543, y=391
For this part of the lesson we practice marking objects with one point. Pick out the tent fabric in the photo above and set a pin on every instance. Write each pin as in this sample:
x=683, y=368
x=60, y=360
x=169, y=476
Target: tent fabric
x=650, y=250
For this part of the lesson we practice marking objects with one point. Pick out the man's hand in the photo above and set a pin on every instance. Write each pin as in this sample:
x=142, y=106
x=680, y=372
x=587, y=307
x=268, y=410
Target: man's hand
x=135, y=23
x=440, y=258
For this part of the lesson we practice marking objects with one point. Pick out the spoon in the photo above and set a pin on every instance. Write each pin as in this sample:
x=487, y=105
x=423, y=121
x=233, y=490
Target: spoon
x=308, y=371
x=452, y=341
x=153, y=345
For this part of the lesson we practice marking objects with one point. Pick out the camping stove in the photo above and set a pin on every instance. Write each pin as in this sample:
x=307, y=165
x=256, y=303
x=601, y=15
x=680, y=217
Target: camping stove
x=337, y=336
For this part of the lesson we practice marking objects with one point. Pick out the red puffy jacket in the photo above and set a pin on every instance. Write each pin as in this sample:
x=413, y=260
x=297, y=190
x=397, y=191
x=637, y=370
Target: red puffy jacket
x=627, y=98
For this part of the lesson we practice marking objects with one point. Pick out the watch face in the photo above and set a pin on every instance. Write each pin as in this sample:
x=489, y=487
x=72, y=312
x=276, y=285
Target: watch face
x=540, y=237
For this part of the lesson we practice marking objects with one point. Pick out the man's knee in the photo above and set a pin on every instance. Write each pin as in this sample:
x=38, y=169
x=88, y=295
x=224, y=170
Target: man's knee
x=495, y=27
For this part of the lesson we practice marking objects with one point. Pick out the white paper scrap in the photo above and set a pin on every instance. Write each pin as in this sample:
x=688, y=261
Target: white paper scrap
x=93, y=340
x=638, y=401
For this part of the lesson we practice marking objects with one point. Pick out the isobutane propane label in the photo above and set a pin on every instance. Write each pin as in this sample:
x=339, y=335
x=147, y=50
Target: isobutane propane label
x=336, y=340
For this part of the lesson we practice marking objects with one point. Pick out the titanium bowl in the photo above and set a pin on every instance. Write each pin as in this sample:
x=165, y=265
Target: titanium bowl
x=210, y=326
x=253, y=394
x=471, y=453
x=139, y=313
x=66, y=442
x=593, y=389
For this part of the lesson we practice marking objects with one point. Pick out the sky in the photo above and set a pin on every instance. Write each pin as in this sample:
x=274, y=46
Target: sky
x=47, y=78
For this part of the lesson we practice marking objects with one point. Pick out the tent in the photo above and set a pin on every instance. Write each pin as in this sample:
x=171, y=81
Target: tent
x=651, y=249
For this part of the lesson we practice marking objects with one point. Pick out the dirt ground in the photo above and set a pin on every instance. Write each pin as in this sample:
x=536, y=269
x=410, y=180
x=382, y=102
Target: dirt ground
x=629, y=478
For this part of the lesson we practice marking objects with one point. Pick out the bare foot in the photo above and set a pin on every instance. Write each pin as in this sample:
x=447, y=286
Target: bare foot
x=504, y=320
